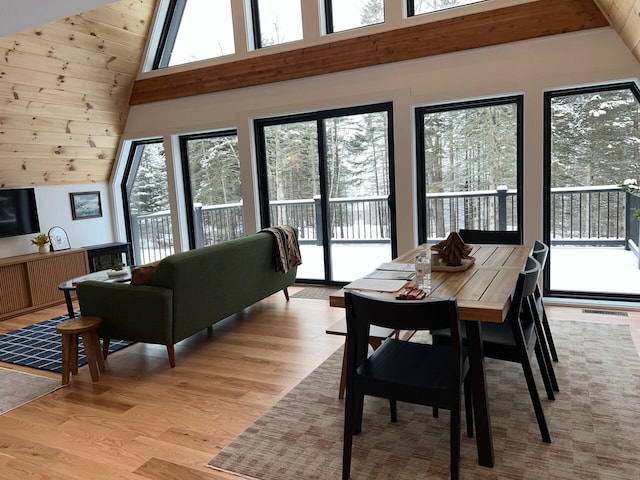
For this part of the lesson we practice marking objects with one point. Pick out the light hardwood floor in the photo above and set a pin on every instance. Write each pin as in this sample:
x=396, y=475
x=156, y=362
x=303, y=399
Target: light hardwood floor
x=146, y=420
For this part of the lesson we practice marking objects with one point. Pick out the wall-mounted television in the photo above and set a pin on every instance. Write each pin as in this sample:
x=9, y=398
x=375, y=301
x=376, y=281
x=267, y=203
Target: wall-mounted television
x=18, y=212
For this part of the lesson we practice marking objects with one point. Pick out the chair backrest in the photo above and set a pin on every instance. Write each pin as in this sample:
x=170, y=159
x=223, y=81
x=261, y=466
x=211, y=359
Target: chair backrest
x=540, y=252
x=525, y=287
x=430, y=314
x=507, y=237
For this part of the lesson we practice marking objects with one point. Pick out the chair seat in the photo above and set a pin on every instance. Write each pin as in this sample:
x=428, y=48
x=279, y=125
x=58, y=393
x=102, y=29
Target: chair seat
x=497, y=339
x=411, y=367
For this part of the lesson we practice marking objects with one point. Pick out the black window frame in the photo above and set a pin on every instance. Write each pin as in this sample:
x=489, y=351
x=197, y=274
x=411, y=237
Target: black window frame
x=328, y=18
x=319, y=116
x=546, y=187
x=133, y=163
x=168, y=34
x=411, y=8
x=421, y=194
x=186, y=175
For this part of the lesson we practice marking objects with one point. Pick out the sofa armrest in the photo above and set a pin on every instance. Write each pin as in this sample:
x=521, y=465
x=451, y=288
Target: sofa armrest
x=138, y=313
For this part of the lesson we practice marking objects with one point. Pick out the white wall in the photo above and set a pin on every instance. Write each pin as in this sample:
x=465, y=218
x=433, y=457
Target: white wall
x=529, y=67
x=54, y=209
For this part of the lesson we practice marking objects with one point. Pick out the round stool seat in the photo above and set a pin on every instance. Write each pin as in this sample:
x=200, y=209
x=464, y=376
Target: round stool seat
x=78, y=325
x=71, y=329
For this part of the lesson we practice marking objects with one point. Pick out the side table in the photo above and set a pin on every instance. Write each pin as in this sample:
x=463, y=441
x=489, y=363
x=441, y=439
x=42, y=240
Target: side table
x=87, y=327
x=69, y=286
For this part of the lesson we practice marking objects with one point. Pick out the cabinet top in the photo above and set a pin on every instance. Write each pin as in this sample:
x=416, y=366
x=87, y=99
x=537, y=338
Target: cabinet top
x=106, y=245
x=32, y=257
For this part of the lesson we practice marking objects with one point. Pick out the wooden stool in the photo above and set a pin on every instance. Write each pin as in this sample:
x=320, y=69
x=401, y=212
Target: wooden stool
x=70, y=330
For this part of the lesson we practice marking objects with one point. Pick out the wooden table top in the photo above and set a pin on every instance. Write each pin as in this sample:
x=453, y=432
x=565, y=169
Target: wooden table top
x=483, y=290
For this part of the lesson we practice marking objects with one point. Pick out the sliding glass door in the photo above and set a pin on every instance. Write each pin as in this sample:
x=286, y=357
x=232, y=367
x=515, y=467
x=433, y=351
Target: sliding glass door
x=592, y=145
x=329, y=174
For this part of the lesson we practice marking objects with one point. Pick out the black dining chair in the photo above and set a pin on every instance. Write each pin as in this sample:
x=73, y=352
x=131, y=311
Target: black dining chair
x=516, y=339
x=503, y=237
x=541, y=253
x=399, y=370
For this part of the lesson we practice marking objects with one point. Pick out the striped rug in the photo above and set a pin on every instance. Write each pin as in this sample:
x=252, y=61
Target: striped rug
x=39, y=346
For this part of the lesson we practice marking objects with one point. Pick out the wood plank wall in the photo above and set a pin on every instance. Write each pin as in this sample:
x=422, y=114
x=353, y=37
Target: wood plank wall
x=65, y=86
x=64, y=93
x=503, y=25
x=624, y=16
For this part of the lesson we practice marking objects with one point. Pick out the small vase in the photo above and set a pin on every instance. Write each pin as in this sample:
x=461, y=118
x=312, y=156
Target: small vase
x=43, y=249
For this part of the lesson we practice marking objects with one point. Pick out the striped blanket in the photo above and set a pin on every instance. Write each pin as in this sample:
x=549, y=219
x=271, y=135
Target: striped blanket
x=287, y=252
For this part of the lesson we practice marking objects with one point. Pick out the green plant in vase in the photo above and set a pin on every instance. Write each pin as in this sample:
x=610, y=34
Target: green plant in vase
x=41, y=241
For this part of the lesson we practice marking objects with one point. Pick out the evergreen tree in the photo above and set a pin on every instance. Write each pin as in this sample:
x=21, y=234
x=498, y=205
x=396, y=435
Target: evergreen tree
x=150, y=193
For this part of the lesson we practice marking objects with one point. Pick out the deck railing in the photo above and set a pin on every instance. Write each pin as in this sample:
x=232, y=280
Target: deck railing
x=598, y=215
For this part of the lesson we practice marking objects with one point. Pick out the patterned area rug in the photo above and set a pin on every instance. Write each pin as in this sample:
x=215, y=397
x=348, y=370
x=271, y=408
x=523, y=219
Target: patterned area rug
x=315, y=293
x=18, y=388
x=39, y=346
x=593, y=423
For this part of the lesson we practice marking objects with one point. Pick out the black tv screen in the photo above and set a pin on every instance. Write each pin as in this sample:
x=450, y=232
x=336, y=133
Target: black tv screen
x=18, y=212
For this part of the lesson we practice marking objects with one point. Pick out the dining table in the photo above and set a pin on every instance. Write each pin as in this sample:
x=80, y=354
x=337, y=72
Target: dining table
x=483, y=293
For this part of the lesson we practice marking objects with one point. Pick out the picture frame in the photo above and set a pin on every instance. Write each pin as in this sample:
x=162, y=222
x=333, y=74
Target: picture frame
x=58, y=239
x=85, y=205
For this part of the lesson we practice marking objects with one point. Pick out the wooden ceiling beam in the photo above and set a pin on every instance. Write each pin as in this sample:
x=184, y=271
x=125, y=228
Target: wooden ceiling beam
x=495, y=27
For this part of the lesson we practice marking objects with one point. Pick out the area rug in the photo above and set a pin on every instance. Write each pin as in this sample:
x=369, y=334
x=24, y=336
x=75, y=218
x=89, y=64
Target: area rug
x=593, y=423
x=18, y=388
x=39, y=346
x=315, y=293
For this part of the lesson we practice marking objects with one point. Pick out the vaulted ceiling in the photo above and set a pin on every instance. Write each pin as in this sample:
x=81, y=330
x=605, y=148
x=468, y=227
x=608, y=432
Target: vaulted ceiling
x=64, y=90
x=65, y=86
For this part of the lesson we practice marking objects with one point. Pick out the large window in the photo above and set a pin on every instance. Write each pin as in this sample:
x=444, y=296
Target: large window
x=469, y=163
x=195, y=30
x=344, y=15
x=276, y=21
x=212, y=187
x=419, y=7
x=145, y=194
x=329, y=174
x=592, y=145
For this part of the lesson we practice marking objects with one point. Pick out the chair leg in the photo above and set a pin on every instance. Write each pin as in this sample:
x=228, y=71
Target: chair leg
x=547, y=332
x=393, y=408
x=468, y=405
x=349, y=428
x=535, y=399
x=286, y=293
x=359, y=407
x=544, y=346
x=454, y=427
x=544, y=371
x=435, y=412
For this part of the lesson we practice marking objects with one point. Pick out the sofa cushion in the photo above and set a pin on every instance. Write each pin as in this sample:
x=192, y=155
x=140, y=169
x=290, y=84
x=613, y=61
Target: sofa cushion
x=143, y=274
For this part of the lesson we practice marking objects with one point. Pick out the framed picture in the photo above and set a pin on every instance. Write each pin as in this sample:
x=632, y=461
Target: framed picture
x=59, y=239
x=85, y=205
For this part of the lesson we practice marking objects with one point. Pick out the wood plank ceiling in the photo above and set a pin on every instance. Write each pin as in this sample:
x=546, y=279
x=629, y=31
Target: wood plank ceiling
x=64, y=93
x=65, y=86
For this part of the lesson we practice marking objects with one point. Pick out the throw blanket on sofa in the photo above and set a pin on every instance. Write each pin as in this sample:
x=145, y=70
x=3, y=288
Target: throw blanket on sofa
x=287, y=254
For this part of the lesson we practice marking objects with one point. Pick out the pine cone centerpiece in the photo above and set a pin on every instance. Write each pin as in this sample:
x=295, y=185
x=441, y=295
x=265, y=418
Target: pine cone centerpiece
x=452, y=250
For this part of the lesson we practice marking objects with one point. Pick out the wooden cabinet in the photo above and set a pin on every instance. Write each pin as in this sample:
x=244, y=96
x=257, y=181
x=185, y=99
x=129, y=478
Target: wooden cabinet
x=30, y=282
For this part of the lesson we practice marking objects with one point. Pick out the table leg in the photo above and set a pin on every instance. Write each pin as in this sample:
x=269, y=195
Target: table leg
x=480, y=401
x=67, y=299
x=343, y=374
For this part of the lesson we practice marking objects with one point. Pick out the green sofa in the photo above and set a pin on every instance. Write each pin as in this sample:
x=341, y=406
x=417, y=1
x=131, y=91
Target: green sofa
x=188, y=292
